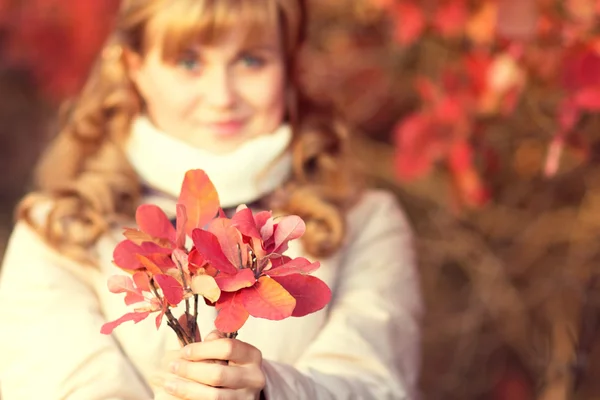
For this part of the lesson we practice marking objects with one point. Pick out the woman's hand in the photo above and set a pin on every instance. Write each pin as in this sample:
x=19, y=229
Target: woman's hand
x=192, y=372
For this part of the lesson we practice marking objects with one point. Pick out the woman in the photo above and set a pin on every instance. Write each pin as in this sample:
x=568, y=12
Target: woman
x=204, y=84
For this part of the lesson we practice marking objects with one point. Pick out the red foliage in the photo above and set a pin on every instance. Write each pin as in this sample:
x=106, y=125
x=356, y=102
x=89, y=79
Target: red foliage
x=504, y=46
x=237, y=264
x=57, y=40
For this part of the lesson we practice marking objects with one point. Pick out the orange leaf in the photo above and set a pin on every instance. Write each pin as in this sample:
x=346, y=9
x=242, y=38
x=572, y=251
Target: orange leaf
x=206, y=286
x=232, y=314
x=200, y=199
x=138, y=237
x=268, y=299
x=156, y=263
x=481, y=28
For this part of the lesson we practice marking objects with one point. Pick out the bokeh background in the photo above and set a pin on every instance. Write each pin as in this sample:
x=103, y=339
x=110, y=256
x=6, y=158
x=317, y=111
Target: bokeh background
x=481, y=115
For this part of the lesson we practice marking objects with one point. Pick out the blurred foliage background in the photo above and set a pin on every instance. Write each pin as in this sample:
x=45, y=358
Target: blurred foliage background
x=481, y=115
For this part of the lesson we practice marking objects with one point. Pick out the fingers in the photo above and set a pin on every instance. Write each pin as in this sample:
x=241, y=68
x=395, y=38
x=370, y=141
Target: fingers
x=217, y=375
x=233, y=350
x=187, y=390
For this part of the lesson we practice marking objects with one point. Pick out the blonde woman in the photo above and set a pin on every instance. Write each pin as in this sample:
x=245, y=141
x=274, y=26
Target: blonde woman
x=207, y=84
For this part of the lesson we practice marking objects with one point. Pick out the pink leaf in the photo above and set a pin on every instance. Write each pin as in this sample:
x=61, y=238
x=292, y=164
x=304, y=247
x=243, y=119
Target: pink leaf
x=230, y=240
x=136, y=317
x=124, y=284
x=172, y=290
x=264, y=223
x=268, y=299
x=311, y=293
x=209, y=248
x=231, y=313
x=243, y=279
x=152, y=220
x=181, y=222
x=296, y=266
x=244, y=221
x=289, y=228
x=200, y=199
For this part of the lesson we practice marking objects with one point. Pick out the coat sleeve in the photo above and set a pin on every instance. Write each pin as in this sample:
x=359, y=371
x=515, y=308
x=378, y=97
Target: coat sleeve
x=50, y=342
x=369, y=348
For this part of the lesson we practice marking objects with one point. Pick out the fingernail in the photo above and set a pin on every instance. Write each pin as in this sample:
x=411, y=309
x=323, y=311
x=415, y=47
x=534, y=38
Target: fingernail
x=171, y=387
x=173, y=367
x=187, y=352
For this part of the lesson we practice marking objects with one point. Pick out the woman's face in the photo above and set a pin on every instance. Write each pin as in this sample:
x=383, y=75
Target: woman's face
x=215, y=97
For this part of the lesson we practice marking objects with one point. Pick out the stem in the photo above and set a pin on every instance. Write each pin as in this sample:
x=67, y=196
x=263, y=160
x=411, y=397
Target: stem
x=195, y=320
x=187, y=340
x=191, y=324
x=231, y=335
x=172, y=321
x=177, y=332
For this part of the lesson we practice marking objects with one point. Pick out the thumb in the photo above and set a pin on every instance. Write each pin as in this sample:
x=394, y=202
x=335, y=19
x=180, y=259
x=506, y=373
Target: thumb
x=214, y=335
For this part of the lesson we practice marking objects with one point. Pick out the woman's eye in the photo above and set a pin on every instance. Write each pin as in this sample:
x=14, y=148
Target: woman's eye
x=189, y=63
x=252, y=61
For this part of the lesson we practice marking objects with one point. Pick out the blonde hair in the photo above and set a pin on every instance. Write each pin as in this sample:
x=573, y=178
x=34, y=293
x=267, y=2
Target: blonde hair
x=86, y=176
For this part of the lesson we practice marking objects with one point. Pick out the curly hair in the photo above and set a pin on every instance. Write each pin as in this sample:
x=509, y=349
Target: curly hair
x=85, y=178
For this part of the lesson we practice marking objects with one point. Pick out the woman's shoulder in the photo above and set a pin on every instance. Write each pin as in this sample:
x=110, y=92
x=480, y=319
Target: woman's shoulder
x=376, y=213
x=27, y=244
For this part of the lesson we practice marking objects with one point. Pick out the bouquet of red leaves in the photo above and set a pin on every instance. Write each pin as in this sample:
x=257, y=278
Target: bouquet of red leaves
x=236, y=264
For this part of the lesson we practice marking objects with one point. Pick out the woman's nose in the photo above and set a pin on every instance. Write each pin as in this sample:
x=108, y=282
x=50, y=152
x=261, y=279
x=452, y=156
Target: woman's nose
x=220, y=89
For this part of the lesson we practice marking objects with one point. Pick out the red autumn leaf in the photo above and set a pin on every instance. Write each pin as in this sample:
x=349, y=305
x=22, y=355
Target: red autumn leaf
x=207, y=245
x=268, y=299
x=588, y=99
x=153, y=220
x=311, y=293
x=200, y=199
x=124, y=284
x=296, y=266
x=232, y=283
x=181, y=223
x=136, y=317
x=230, y=240
x=414, y=146
x=580, y=68
x=172, y=290
x=288, y=228
x=245, y=222
x=195, y=261
x=231, y=313
x=410, y=23
x=451, y=17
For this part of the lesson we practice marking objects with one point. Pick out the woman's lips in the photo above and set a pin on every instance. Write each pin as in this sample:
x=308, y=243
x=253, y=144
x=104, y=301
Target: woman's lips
x=226, y=129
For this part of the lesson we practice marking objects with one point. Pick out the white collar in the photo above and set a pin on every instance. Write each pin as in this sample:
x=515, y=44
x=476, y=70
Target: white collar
x=253, y=170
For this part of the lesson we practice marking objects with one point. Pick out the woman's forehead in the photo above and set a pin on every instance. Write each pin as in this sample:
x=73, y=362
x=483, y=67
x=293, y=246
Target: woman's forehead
x=250, y=23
